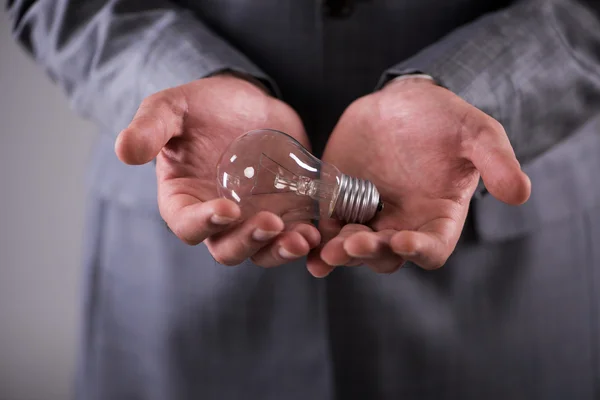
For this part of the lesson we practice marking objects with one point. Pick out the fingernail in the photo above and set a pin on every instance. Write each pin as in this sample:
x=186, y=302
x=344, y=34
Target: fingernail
x=262, y=235
x=220, y=220
x=284, y=253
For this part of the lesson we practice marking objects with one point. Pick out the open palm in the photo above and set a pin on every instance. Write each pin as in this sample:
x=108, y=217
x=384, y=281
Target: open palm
x=425, y=149
x=186, y=129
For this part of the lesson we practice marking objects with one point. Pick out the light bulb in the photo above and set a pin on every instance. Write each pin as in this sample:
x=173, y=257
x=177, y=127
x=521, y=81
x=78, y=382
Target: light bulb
x=269, y=170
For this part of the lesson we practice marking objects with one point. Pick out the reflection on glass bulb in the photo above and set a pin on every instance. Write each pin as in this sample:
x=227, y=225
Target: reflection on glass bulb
x=271, y=171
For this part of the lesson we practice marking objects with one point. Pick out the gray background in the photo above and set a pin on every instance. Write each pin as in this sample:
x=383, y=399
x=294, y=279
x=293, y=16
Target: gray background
x=43, y=153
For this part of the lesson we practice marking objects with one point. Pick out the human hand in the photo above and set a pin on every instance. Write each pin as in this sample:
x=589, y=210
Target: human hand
x=186, y=129
x=424, y=148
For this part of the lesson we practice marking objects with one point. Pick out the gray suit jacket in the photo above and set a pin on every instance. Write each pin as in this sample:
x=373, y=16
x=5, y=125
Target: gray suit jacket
x=515, y=314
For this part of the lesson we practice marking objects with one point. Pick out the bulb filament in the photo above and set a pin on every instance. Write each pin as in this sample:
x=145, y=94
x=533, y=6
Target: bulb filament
x=304, y=186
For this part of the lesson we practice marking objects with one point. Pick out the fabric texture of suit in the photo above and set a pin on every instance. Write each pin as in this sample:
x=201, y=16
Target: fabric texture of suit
x=515, y=312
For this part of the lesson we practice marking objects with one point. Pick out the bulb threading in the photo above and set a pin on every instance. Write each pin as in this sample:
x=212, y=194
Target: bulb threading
x=357, y=201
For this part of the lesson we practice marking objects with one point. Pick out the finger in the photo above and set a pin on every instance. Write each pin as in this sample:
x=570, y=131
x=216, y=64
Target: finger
x=239, y=243
x=425, y=249
x=333, y=252
x=289, y=246
x=316, y=266
x=269, y=255
x=329, y=228
x=494, y=158
x=308, y=231
x=193, y=221
x=158, y=119
x=373, y=250
x=354, y=262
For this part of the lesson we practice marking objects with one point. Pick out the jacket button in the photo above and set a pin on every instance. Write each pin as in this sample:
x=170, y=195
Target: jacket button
x=338, y=8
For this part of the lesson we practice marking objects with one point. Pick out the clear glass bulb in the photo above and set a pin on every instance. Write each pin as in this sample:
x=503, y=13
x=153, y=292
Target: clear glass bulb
x=271, y=171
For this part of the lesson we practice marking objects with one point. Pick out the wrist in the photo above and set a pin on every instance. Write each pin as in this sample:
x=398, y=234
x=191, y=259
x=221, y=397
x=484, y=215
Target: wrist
x=240, y=76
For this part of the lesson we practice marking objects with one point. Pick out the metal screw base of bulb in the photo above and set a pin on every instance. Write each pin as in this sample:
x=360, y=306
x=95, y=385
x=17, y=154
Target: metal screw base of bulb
x=357, y=201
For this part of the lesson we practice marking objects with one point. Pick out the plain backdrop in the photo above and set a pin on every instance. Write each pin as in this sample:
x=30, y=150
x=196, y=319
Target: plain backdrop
x=44, y=149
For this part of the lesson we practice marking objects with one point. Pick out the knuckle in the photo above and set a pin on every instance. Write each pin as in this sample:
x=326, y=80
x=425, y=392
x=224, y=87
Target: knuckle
x=475, y=124
x=490, y=129
x=153, y=101
x=495, y=126
x=167, y=102
x=469, y=125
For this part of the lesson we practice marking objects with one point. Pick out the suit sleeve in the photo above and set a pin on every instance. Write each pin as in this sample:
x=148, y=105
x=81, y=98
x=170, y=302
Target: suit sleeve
x=534, y=66
x=108, y=55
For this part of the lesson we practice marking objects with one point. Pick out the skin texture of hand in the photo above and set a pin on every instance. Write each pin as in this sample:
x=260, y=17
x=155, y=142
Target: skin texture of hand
x=186, y=129
x=425, y=150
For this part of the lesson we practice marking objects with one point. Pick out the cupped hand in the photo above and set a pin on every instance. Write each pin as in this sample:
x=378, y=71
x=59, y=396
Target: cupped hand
x=425, y=149
x=186, y=129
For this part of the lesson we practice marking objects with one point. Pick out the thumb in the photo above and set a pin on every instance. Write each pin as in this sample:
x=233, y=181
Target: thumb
x=494, y=158
x=158, y=119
